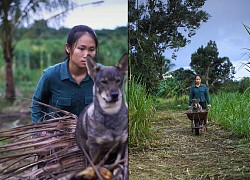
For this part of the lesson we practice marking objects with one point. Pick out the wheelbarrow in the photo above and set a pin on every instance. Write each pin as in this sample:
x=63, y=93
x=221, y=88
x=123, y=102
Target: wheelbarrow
x=198, y=120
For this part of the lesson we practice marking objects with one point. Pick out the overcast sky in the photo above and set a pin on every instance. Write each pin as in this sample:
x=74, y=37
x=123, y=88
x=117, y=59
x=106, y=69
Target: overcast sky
x=225, y=27
x=107, y=15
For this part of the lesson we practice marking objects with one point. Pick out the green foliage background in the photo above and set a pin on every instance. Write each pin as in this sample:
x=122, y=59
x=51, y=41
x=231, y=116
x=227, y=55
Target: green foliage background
x=41, y=47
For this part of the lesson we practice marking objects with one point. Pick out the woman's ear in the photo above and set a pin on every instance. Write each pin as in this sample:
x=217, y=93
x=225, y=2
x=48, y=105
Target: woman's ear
x=67, y=48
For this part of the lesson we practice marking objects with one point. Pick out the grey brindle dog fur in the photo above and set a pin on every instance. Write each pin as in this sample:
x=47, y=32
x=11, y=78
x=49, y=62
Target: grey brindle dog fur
x=196, y=107
x=104, y=123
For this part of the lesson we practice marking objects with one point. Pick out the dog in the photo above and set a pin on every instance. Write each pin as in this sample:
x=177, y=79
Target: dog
x=196, y=107
x=104, y=123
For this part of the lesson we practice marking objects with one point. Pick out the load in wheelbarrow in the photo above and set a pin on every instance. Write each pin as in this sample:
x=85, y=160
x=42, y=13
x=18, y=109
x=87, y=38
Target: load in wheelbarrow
x=198, y=120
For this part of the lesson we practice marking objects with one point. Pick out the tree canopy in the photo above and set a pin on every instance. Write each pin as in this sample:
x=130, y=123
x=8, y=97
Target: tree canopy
x=213, y=69
x=155, y=26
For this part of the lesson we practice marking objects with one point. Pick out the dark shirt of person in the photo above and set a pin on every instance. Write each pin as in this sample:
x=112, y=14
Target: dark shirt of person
x=58, y=88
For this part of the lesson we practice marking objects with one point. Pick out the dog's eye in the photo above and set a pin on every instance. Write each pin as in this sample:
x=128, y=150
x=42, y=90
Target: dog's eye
x=104, y=81
x=117, y=80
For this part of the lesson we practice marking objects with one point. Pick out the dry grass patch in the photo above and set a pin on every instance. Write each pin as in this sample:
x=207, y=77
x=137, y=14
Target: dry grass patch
x=176, y=153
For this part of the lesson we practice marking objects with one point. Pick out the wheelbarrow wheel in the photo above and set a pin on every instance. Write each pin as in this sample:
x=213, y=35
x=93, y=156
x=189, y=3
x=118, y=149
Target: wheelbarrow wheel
x=197, y=127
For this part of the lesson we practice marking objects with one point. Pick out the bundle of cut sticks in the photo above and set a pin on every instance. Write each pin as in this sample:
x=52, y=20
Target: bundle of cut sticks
x=48, y=150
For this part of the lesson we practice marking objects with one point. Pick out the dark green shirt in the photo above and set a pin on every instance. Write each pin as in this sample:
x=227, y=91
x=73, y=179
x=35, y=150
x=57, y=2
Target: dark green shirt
x=200, y=93
x=57, y=88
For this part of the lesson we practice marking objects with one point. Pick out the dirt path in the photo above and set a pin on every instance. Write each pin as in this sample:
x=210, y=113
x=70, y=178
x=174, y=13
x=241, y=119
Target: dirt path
x=177, y=153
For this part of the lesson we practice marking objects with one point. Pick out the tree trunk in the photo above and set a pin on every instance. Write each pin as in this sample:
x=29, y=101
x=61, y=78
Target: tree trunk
x=207, y=83
x=7, y=46
x=9, y=85
x=8, y=58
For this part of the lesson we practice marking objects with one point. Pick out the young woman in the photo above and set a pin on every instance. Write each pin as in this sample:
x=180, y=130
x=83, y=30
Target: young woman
x=67, y=85
x=199, y=91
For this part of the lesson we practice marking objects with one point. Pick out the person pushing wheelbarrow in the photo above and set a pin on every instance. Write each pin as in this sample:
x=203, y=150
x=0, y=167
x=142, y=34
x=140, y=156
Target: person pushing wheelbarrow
x=198, y=105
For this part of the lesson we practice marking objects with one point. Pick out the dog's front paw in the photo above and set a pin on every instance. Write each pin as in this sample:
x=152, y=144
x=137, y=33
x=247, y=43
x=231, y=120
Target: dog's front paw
x=105, y=173
x=88, y=174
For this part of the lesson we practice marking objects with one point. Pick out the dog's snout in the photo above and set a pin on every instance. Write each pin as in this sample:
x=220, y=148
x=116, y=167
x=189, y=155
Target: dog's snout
x=114, y=95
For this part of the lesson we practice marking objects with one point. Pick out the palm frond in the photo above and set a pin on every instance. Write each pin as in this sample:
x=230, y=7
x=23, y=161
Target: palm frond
x=247, y=28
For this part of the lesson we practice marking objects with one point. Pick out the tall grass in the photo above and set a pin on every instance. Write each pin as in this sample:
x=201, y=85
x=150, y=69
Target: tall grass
x=232, y=110
x=175, y=103
x=141, y=110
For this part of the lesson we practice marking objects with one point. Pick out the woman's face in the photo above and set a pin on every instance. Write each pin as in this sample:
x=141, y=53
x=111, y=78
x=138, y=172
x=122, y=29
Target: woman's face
x=84, y=46
x=198, y=80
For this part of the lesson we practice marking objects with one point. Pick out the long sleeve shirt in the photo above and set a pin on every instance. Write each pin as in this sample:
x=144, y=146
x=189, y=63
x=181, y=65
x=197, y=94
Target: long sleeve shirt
x=57, y=88
x=200, y=93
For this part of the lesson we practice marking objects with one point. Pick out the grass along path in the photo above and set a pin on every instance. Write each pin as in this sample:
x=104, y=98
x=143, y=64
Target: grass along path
x=176, y=153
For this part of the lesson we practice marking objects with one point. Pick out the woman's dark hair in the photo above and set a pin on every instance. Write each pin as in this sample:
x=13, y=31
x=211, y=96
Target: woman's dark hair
x=197, y=76
x=76, y=32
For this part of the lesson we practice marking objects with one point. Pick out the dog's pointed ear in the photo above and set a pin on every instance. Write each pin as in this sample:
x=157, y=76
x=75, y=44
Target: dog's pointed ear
x=92, y=67
x=122, y=65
